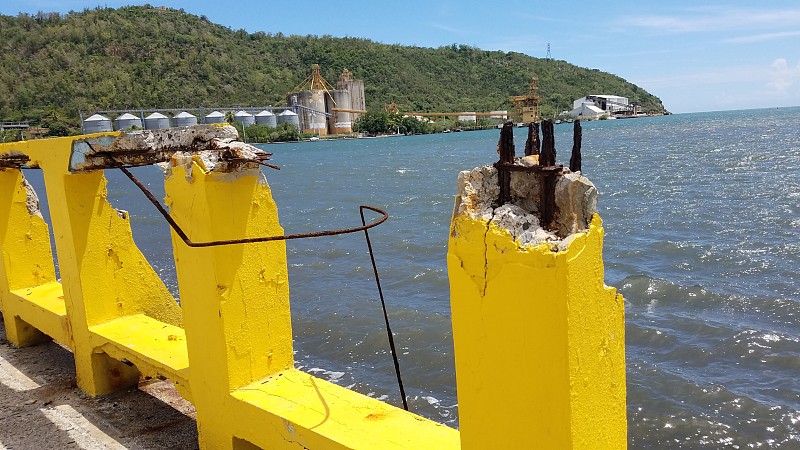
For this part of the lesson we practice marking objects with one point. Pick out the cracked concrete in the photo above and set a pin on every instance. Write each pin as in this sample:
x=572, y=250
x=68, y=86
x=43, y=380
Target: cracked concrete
x=31, y=199
x=575, y=203
x=217, y=146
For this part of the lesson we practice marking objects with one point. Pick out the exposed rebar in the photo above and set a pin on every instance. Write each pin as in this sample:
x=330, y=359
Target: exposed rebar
x=285, y=237
x=533, y=144
x=505, y=147
x=577, y=136
x=548, y=156
x=385, y=314
x=548, y=159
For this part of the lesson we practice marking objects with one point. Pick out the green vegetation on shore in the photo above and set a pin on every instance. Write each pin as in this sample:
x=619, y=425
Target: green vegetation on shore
x=143, y=57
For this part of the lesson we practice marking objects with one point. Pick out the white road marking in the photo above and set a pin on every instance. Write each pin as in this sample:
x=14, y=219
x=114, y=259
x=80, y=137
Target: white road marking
x=13, y=379
x=83, y=432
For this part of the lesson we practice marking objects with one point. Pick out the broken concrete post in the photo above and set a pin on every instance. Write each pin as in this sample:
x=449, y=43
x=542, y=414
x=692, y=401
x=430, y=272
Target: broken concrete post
x=538, y=337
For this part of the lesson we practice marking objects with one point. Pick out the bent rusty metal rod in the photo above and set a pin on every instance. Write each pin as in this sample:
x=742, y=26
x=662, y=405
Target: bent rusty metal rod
x=175, y=227
x=385, y=315
x=364, y=227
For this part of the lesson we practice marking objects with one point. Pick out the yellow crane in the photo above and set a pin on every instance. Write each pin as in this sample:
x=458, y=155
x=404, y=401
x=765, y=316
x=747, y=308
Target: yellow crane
x=315, y=81
x=527, y=106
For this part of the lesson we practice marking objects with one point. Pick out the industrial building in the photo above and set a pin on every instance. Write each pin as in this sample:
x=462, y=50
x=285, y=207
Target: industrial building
x=587, y=110
x=609, y=104
x=324, y=109
x=314, y=107
x=98, y=122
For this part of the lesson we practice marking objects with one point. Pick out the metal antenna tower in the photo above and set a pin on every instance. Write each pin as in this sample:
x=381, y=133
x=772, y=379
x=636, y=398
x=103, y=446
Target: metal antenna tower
x=549, y=56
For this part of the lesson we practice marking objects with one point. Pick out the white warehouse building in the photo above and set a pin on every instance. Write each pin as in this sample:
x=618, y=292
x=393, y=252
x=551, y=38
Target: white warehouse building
x=587, y=110
x=608, y=103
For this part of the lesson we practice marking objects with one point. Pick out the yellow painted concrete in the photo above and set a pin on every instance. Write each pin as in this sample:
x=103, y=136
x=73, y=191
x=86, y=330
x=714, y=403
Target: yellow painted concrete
x=539, y=339
x=27, y=261
x=238, y=329
x=156, y=348
x=104, y=275
x=539, y=342
x=44, y=306
x=298, y=409
x=235, y=298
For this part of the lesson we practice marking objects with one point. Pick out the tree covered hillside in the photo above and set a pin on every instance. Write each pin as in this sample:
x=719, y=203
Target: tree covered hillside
x=145, y=57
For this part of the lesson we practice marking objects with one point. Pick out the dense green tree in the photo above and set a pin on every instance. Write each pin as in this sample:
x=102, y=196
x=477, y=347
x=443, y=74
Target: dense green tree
x=261, y=133
x=411, y=125
x=141, y=57
x=374, y=121
x=57, y=129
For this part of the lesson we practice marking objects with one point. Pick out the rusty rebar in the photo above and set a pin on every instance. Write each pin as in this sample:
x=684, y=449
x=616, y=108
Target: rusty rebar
x=548, y=159
x=577, y=136
x=181, y=234
x=505, y=147
x=385, y=314
x=548, y=156
x=364, y=227
x=532, y=145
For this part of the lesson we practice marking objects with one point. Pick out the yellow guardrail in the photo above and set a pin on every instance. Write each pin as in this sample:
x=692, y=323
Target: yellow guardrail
x=228, y=345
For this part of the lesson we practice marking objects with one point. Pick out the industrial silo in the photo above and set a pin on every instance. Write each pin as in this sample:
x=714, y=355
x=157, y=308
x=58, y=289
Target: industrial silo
x=156, y=121
x=318, y=122
x=312, y=112
x=289, y=117
x=266, y=118
x=244, y=118
x=127, y=121
x=184, y=119
x=215, y=117
x=356, y=90
x=97, y=124
x=342, y=122
x=301, y=99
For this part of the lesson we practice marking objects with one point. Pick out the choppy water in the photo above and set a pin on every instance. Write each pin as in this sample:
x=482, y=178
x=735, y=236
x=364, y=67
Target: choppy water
x=702, y=217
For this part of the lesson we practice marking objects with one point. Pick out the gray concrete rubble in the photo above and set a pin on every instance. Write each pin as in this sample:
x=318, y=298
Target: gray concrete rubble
x=218, y=146
x=31, y=199
x=575, y=203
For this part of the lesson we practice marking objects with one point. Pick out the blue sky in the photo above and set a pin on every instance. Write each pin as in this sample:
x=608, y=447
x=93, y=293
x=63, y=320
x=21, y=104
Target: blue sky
x=718, y=56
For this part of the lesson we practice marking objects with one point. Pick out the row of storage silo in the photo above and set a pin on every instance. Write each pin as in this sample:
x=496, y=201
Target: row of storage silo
x=98, y=123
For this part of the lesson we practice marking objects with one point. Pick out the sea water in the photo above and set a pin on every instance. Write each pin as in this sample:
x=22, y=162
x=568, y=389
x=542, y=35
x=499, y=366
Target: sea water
x=702, y=219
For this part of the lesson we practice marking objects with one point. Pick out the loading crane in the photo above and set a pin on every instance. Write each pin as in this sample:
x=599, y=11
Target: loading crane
x=527, y=106
x=476, y=114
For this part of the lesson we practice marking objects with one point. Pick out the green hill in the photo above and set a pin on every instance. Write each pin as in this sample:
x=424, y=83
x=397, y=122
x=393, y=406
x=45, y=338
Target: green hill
x=145, y=57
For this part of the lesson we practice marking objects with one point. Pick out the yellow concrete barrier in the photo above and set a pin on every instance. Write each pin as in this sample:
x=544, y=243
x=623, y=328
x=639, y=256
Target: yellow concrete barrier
x=538, y=337
x=535, y=329
x=228, y=347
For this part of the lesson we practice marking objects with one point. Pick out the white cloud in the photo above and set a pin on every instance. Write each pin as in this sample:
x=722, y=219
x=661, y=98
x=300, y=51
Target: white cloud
x=762, y=37
x=715, y=19
x=447, y=28
x=783, y=76
x=716, y=76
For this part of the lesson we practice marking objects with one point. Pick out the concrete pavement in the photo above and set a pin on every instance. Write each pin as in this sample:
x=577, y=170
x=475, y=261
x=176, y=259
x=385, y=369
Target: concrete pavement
x=41, y=407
